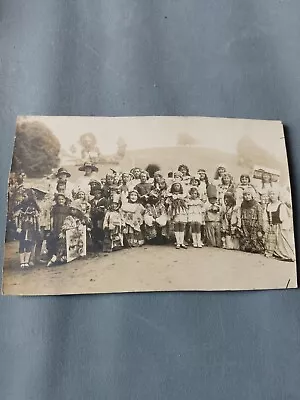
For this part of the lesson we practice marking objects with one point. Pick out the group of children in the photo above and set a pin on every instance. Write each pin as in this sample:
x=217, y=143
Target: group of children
x=130, y=208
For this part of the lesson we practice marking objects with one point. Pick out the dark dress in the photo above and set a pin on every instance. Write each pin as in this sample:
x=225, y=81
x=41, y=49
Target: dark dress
x=58, y=215
x=143, y=190
x=251, y=227
x=98, y=210
x=26, y=217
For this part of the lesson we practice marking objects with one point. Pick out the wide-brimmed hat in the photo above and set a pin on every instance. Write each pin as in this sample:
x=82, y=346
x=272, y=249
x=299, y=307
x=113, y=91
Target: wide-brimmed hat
x=88, y=165
x=62, y=171
x=74, y=204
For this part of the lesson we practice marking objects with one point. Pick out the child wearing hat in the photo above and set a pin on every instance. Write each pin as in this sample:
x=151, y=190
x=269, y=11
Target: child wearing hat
x=83, y=182
x=113, y=226
x=133, y=214
x=62, y=176
x=213, y=218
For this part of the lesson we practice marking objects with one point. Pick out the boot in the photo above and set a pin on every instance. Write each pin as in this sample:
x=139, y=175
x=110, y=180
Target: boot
x=177, y=237
x=195, y=241
x=182, y=240
x=26, y=259
x=199, y=241
x=22, y=260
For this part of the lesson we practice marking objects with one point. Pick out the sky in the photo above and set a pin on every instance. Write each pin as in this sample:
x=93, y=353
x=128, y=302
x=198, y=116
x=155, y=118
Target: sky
x=144, y=132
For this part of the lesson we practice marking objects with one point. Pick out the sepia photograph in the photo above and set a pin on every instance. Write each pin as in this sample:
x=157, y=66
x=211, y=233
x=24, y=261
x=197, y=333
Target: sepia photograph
x=146, y=204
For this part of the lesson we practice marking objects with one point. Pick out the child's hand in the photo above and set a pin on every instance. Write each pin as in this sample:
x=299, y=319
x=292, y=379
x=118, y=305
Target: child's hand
x=19, y=230
x=259, y=234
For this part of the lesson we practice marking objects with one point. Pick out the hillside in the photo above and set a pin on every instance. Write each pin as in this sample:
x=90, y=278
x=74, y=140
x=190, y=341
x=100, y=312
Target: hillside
x=170, y=157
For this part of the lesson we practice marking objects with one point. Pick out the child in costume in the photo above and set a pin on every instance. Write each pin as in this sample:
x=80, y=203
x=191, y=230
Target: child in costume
x=213, y=218
x=221, y=170
x=195, y=216
x=82, y=199
x=279, y=241
x=99, y=205
x=26, y=216
x=251, y=224
x=113, y=227
x=108, y=186
x=245, y=183
x=58, y=214
x=230, y=223
x=144, y=187
x=178, y=212
x=226, y=186
x=184, y=169
x=133, y=213
x=155, y=219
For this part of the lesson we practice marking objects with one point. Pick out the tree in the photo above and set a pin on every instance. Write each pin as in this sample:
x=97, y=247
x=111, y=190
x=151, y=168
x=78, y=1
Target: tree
x=151, y=169
x=36, y=149
x=185, y=139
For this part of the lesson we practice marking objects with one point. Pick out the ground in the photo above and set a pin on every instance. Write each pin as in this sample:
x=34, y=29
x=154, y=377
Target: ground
x=149, y=268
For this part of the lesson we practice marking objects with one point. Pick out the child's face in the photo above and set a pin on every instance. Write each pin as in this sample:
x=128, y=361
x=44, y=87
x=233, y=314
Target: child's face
x=125, y=178
x=143, y=177
x=176, y=187
x=136, y=173
x=194, y=182
x=133, y=197
x=115, y=206
x=110, y=180
x=226, y=179
x=62, y=177
x=73, y=211
x=158, y=178
x=194, y=194
x=183, y=170
x=273, y=197
x=60, y=200
x=264, y=199
x=266, y=178
x=221, y=171
x=97, y=194
x=248, y=196
x=61, y=188
x=177, y=178
x=202, y=176
x=81, y=196
x=88, y=171
x=213, y=200
x=244, y=180
x=162, y=185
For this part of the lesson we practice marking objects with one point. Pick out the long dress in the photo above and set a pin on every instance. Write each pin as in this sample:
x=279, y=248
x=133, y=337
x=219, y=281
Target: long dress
x=279, y=237
x=27, y=221
x=251, y=226
x=133, y=218
x=113, y=228
x=213, y=225
x=155, y=221
x=229, y=227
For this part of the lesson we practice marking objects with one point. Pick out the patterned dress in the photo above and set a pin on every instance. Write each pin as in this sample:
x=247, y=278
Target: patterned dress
x=133, y=219
x=251, y=225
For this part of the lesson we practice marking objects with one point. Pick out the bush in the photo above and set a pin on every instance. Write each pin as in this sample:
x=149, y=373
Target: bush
x=36, y=149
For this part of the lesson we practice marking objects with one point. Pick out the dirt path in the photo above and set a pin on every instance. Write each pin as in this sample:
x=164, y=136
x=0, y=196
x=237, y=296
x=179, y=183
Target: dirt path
x=150, y=268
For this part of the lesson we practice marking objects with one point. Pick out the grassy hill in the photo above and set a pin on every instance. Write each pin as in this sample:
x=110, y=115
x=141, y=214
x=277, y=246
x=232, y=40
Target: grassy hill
x=168, y=158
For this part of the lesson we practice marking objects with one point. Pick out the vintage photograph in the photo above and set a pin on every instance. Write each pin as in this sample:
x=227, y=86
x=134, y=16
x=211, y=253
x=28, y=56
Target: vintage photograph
x=142, y=204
